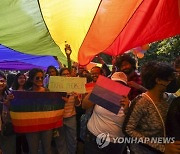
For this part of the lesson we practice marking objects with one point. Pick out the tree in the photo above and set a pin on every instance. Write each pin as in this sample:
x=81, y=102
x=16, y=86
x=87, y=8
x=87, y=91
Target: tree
x=165, y=50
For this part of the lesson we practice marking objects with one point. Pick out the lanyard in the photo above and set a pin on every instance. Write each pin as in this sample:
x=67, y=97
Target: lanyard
x=163, y=124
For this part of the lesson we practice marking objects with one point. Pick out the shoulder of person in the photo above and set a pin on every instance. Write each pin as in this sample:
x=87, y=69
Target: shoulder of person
x=139, y=103
x=140, y=99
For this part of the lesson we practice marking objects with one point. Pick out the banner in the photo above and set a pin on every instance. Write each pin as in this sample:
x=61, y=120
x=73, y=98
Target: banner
x=36, y=111
x=108, y=94
x=67, y=84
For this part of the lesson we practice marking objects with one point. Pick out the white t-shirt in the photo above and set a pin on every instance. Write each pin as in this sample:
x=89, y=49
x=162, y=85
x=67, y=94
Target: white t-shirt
x=104, y=121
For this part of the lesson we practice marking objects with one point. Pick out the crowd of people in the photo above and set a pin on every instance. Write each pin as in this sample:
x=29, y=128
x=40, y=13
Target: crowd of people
x=151, y=110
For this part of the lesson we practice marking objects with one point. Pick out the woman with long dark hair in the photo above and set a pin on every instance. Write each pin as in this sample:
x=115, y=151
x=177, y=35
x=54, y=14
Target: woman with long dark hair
x=21, y=141
x=7, y=141
x=51, y=71
x=35, y=83
x=19, y=82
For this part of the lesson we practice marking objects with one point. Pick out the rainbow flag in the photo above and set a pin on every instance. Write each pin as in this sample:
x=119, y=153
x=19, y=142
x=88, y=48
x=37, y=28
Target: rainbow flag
x=90, y=26
x=36, y=111
x=108, y=94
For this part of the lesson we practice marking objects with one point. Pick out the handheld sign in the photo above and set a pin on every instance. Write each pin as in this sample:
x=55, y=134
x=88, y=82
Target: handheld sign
x=67, y=84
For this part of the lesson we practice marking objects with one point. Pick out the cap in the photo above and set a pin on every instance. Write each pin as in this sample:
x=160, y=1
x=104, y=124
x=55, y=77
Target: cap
x=119, y=76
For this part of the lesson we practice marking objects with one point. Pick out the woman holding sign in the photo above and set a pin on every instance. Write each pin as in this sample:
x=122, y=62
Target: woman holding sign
x=35, y=83
x=66, y=142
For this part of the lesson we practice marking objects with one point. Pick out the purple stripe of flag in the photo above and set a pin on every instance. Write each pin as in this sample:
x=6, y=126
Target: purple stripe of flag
x=113, y=86
x=107, y=95
x=104, y=103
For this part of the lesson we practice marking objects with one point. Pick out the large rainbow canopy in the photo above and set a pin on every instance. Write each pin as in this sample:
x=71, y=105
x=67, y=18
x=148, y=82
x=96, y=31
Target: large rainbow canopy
x=13, y=60
x=41, y=27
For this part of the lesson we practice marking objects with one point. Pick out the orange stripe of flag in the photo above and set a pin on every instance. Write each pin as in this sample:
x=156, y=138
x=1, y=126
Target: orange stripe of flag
x=34, y=115
x=112, y=16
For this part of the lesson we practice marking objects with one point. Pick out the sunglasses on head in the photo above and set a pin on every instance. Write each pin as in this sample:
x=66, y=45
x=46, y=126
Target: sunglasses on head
x=39, y=78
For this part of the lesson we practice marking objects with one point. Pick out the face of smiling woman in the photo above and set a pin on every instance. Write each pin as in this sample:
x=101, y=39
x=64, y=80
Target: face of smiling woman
x=38, y=79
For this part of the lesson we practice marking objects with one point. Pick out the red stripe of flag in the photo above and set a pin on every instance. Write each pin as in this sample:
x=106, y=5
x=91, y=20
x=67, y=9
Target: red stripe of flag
x=36, y=128
x=112, y=86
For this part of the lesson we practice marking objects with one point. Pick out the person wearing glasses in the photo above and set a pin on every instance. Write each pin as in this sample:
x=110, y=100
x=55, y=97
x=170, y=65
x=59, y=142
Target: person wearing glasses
x=66, y=142
x=146, y=116
x=35, y=83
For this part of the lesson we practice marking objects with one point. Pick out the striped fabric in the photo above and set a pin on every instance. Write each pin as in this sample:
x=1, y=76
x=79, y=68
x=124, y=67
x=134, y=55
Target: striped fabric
x=90, y=26
x=69, y=108
x=36, y=111
x=108, y=94
x=120, y=25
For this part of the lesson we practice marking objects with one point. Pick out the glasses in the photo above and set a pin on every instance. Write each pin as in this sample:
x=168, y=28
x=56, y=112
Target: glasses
x=39, y=78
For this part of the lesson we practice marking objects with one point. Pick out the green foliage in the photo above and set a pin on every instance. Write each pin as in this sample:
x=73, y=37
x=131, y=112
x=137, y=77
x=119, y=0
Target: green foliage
x=107, y=58
x=165, y=50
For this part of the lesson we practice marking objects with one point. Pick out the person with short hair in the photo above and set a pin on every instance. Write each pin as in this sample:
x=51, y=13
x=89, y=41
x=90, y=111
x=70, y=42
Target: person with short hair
x=147, y=113
x=127, y=64
x=95, y=72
